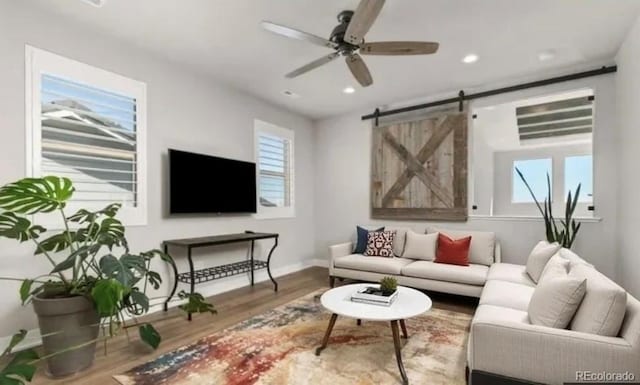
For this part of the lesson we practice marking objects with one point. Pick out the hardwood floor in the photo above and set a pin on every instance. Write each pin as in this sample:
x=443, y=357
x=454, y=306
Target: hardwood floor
x=233, y=306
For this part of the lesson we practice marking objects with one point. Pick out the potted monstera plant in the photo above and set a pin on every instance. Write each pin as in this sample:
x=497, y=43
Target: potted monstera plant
x=96, y=283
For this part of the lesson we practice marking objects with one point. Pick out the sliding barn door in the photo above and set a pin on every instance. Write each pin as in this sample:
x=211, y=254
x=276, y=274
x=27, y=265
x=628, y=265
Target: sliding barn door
x=419, y=168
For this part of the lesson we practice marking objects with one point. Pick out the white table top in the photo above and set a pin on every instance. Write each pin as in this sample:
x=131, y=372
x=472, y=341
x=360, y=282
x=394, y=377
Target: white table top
x=410, y=303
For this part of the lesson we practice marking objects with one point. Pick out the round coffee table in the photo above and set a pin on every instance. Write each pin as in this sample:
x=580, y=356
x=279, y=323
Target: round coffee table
x=410, y=303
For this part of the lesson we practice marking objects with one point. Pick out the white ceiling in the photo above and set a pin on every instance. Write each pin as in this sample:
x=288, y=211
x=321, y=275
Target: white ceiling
x=223, y=38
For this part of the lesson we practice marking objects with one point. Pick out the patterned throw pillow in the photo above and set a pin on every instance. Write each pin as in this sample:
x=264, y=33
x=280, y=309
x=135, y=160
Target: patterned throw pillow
x=380, y=244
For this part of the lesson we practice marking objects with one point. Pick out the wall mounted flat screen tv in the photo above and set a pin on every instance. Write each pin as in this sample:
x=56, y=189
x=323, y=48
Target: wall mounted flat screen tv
x=200, y=184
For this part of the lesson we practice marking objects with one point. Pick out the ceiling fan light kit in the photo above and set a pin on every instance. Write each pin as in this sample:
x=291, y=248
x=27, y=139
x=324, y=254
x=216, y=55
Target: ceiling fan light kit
x=347, y=39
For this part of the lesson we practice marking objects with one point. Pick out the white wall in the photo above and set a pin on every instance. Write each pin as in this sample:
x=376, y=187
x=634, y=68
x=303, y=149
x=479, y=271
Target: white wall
x=185, y=111
x=628, y=89
x=343, y=146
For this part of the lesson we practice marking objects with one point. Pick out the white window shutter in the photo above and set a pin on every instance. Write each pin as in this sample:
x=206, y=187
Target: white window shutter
x=274, y=158
x=88, y=125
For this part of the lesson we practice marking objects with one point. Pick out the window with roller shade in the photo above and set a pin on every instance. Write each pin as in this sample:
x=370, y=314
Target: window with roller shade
x=274, y=155
x=88, y=125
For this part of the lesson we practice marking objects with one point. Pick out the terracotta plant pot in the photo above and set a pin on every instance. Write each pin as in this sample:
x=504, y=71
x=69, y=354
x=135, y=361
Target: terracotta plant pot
x=66, y=323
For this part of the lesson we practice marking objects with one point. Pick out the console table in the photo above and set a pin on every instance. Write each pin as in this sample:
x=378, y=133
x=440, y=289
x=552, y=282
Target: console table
x=220, y=271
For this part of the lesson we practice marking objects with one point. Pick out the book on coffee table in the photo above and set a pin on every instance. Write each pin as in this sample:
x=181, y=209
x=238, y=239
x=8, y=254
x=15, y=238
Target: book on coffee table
x=374, y=296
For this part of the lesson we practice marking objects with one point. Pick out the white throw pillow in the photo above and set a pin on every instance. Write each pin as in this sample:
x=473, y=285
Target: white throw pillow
x=555, y=301
x=556, y=267
x=420, y=246
x=604, y=305
x=483, y=244
x=538, y=258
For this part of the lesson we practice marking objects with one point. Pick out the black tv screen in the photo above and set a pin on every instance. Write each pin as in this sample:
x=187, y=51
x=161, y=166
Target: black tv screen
x=208, y=184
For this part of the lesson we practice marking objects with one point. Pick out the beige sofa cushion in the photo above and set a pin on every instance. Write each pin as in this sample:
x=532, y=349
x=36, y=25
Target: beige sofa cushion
x=538, y=258
x=491, y=314
x=555, y=301
x=507, y=294
x=471, y=275
x=399, y=241
x=603, y=308
x=557, y=267
x=384, y=265
x=510, y=273
x=483, y=243
x=420, y=246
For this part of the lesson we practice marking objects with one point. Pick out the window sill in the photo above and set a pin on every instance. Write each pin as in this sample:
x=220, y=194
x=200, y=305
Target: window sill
x=525, y=218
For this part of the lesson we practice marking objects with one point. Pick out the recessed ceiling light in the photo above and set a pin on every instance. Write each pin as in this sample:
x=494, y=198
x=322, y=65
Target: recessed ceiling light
x=546, y=55
x=291, y=94
x=95, y=3
x=470, y=58
x=349, y=90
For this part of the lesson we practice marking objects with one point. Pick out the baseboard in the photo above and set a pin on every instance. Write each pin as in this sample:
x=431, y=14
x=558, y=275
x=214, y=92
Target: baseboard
x=320, y=262
x=34, y=339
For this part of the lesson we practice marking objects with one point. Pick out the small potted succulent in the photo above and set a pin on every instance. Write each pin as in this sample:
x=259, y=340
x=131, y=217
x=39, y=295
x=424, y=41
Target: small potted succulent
x=96, y=283
x=388, y=286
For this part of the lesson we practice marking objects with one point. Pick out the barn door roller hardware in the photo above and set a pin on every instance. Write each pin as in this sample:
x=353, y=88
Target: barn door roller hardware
x=462, y=97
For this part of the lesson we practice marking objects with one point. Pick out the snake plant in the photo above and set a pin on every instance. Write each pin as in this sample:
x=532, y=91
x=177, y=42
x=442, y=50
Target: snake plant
x=565, y=234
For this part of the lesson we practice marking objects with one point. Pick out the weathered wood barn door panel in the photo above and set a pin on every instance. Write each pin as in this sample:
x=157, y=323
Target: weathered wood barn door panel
x=419, y=168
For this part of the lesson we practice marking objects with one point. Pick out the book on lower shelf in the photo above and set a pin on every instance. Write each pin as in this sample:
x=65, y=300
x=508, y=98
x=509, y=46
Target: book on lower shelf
x=374, y=296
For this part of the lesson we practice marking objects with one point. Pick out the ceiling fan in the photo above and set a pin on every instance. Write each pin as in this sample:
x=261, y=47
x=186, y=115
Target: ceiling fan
x=347, y=39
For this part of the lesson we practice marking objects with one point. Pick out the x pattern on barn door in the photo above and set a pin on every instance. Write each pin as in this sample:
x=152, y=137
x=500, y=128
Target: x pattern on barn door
x=419, y=168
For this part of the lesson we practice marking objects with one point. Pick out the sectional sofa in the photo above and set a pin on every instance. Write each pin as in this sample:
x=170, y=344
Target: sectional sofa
x=504, y=346
x=461, y=280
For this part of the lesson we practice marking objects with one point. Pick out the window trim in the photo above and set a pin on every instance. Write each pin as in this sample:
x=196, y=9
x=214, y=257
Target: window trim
x=39, y=62
x=271, y=129
x=558, y=199
x=513, y=179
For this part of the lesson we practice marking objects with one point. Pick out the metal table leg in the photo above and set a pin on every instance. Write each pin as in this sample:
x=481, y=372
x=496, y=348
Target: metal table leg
x=192, y=275
x=398, y=347
x=252, y=247
x=327, y=334
x=175, y=279
x=275, y=284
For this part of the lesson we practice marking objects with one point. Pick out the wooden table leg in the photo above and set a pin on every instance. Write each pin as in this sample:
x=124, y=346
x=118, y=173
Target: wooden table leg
x=398, y=346
x=327, y=334
x=403, y=327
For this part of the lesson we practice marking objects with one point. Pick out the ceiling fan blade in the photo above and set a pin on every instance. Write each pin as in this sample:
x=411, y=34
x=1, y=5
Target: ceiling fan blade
x=313, y=65
x=362, y=20
x=359, y=70
x=399, y=48
x=295, y=34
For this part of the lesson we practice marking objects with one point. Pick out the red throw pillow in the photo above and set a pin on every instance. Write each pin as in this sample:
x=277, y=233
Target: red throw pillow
x=453, y=252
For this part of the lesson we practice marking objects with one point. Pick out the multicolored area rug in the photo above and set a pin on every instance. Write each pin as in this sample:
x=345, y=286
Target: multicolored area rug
x=277, y=348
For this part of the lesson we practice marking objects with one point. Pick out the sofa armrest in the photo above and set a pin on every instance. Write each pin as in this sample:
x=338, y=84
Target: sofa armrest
x=546, y=355
x=339, y=250
x=497, y=253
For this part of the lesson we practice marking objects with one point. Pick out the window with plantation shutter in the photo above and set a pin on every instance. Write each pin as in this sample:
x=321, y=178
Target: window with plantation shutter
x=274, y=158
x=88, y=125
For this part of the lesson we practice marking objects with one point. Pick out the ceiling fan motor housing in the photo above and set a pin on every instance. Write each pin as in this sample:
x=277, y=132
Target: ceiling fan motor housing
x=337, y=35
